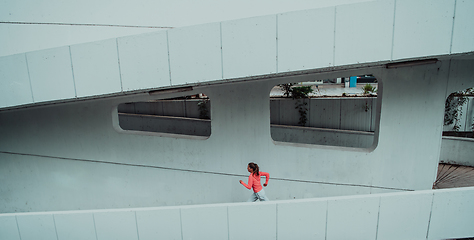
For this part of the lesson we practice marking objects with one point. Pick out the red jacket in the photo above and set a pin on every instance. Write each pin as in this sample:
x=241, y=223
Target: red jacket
x=254, y=181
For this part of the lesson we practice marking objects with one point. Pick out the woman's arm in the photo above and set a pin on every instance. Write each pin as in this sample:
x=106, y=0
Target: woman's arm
x=249, y=186
x=267, y=177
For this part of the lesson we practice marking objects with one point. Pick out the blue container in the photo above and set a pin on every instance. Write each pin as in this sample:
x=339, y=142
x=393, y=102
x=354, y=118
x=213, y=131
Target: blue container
x=353, y=81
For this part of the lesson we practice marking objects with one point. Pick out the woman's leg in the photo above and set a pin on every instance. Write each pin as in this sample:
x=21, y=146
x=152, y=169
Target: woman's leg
x=261, y=195
x=253, y=198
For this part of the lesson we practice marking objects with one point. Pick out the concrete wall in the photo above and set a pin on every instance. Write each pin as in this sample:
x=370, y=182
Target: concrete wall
x=163, y=124
x=320, y=136
x=69, y=156
x=79, y=156
x=280, y=133
x=457, y=150
x=439, y=214
x=177, y=108
x=239, y=49
x=334, y=113
x=325, y=117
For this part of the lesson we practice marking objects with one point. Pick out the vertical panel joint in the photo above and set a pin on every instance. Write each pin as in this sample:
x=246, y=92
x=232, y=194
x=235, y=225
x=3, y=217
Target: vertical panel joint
x=452, y=28
x=276, y=40
x=393, y=28
x=29, y=78
x=118, y=62
x=72, y=72
x=18, y=227
x=431, y=213
x=169, y=62
x=222, y=54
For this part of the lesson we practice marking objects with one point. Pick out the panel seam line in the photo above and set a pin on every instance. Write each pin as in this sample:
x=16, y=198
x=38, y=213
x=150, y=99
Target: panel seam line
x=276, y=221
x=118, y=62
x=18, y=226
x=95, y=227
x=136, y=224
x=55, y=228
x=327, y=214
x=276, y=41
x=378, y=220
x=72, y=72
x=169, y=61
x=429, y=220
x=181, y=223
x=452, y=28
x=29, y=78
x=334, y=40
x=393, y=28
x=228, y=224
x=222, y=54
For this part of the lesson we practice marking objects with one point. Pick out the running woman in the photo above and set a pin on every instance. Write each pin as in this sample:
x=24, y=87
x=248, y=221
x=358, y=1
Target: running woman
x=254, y=182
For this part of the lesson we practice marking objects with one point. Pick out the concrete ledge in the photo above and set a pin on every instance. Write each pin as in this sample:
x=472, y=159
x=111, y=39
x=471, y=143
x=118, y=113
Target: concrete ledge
x=321, y=136
x=165, y=124
x=430, y=214
x=456, y=150
x=452, y=214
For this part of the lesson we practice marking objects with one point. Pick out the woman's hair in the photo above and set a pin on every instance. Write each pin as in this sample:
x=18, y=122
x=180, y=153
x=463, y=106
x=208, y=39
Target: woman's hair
x=254, y=167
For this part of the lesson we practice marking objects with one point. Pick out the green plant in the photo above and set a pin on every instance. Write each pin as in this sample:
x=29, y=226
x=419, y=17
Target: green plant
x=369, y=89
x=286, y=88
x=452, y=107
x=300, y=104
x=300, y=93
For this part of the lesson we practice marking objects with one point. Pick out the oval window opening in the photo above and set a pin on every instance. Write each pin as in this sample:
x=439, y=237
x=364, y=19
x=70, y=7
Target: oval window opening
x=334, y=112
x=186, y=115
